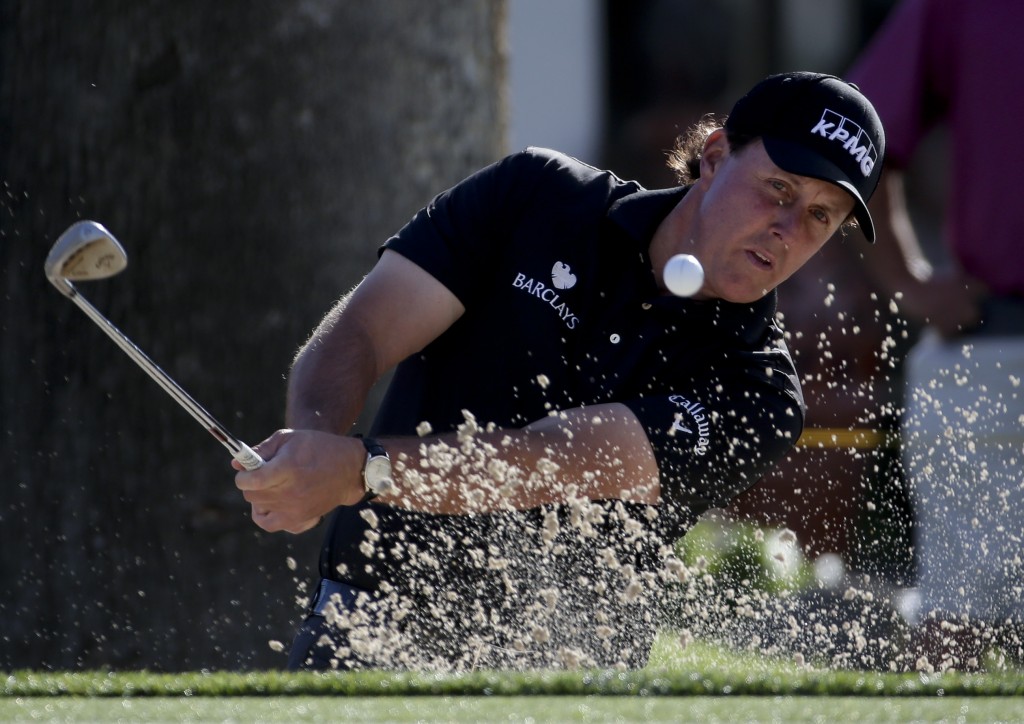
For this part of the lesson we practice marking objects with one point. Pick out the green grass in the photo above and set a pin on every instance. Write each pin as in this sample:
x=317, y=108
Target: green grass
x=699, y=683
x=514, y=709
x=699, y=669
x=647, y=683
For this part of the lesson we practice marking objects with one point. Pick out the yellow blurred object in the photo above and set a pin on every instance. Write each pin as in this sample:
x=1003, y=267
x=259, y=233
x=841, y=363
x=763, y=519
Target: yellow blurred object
x=858, y=438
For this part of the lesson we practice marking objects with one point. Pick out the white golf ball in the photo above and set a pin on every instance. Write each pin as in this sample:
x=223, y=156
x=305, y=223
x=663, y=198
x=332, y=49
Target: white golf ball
x=684, y=276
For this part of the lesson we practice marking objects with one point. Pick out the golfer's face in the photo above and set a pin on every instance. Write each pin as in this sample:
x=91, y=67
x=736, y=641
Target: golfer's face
x=758, y=224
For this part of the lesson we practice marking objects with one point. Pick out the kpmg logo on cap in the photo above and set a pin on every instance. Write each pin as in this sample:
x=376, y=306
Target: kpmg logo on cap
x=840, y=129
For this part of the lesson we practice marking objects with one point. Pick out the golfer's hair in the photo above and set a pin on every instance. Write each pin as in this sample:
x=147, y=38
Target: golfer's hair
x=684, y=158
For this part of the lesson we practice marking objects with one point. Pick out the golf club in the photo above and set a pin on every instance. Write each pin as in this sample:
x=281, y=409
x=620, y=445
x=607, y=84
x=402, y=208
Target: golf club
x=86, y=251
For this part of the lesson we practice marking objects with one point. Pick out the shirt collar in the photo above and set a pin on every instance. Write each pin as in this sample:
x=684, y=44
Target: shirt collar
x=639, y=215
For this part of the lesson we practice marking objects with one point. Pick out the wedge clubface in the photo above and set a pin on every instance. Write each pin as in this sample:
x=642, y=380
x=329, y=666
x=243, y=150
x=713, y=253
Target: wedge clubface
x=86, y=252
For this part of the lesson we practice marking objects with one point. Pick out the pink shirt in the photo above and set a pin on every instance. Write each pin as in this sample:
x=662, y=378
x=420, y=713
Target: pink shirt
x=960, y=62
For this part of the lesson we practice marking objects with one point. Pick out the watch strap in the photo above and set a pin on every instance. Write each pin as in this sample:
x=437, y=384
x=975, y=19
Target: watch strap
x=373, y=448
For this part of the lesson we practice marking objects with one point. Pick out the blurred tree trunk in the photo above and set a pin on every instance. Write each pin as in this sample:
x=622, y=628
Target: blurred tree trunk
x=250, y=157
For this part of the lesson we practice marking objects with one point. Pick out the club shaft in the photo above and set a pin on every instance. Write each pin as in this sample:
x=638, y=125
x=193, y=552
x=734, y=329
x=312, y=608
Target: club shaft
x=238, y=449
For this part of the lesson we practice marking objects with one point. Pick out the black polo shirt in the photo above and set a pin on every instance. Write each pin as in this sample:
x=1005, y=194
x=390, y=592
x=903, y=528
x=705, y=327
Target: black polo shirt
x=549, y=256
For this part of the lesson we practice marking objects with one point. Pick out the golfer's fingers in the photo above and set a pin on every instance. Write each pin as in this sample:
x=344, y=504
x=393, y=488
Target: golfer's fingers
x=274, y=522
x=269, y=448
x=266, y=476
x=265, y=519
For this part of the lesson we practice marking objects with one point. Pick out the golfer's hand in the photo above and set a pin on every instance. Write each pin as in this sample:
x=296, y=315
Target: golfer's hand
x=307, y=474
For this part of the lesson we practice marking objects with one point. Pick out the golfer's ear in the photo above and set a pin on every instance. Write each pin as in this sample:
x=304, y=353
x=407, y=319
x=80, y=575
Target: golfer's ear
x=716, y=150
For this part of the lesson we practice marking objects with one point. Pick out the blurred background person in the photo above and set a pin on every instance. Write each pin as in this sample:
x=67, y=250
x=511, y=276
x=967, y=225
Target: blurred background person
x=958, y=65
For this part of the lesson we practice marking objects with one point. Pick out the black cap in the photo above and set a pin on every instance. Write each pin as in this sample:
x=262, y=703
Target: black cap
x=819, y=126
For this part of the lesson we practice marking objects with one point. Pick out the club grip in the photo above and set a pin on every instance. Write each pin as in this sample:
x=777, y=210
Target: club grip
x=248, y=457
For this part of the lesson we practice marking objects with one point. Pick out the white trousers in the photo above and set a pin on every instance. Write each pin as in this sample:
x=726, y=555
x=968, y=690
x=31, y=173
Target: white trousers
x=963, y=450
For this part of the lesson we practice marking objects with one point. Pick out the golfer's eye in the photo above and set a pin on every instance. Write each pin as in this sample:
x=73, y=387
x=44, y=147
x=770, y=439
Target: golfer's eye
x=820, y=215
x=780, y=190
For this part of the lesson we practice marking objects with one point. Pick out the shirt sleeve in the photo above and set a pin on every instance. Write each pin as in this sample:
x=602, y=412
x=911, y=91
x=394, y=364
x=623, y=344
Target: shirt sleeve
x=716, y=438
x=459, y=236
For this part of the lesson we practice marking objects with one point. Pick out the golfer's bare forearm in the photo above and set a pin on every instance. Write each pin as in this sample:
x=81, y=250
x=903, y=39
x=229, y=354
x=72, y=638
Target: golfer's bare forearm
x=330, y=380
x=576, y=456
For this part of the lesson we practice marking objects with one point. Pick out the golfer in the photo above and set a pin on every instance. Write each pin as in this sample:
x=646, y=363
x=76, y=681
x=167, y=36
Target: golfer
x=557, y=419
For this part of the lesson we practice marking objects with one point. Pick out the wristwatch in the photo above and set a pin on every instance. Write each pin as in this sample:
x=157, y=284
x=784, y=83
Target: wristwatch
x=377, y=469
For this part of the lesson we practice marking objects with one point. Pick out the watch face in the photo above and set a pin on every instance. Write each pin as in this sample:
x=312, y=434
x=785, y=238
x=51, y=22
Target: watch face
x=377, y=474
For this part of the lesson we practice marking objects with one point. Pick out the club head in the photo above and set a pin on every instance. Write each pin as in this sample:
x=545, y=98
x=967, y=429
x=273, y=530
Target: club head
x=85, y=252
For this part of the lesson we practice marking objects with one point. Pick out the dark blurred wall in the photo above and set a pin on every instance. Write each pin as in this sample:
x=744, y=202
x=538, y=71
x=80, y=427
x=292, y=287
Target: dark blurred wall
x=250, y=157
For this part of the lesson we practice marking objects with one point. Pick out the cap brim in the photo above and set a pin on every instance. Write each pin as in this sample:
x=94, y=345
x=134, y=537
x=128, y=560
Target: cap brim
x=794, y=158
